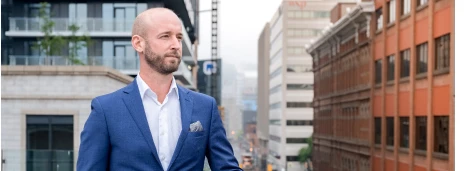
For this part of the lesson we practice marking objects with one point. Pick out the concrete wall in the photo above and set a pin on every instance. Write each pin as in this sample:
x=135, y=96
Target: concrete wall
x=49, y=90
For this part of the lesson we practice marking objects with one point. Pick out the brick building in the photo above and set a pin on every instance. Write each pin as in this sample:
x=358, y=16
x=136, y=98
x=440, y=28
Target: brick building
x=387, y=97
x=342, y=93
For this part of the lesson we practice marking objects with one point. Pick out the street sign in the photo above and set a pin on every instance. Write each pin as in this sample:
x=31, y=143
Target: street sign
x=210, y=67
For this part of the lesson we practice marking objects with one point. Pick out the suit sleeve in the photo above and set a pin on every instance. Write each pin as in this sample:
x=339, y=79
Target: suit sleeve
x=219, y=152
x=94, y=147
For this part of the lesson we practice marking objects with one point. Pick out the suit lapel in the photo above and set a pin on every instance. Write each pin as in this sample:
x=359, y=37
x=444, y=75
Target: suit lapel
x=186, y=105
x=134, y=104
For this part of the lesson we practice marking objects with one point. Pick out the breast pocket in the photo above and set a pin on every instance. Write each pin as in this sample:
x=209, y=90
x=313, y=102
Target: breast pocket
x=196, y=134
x=197, y=140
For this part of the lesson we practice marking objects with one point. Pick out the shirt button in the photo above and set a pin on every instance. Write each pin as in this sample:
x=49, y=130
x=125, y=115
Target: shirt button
x=163, y=157
x=162, y=133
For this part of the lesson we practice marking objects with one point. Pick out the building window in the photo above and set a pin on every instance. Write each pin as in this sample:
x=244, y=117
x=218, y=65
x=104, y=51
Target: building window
x=296, y=140
x=49, y=142
x=277, y=56
x=77, y=10
x=441, y=137
x=296, y=50
x=274, y=138
x=421, y=132
x=405, y=63
x=299, y=68
x=404, y=132
x=390, y=131
x=299, y=122
x=299, y=104
x=275, y=73
x=406, y=7
x=378, y=71
x=421, y=58
x=308, y=14
x=300, y=86
x=391, y=11
x=422, y=2
x=391, y=68
x=321, y=14
x=292, y=158
x=275, y=122
x=379, y=16
x=276, y=105
x=291, y=14
x=275, y=89
x=378, y=130
x=303, y=32
x=442, y=52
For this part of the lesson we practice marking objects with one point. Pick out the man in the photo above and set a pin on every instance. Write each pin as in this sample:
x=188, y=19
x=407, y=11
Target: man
x=154, y=124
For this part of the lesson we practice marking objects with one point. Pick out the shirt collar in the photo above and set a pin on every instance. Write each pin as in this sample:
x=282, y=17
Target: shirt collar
x=143, y=87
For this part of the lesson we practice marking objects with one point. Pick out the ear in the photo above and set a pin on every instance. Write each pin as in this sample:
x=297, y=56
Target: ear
x=138, y=43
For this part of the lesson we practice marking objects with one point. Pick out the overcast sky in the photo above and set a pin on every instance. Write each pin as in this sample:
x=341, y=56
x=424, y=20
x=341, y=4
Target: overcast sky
x=241, y=22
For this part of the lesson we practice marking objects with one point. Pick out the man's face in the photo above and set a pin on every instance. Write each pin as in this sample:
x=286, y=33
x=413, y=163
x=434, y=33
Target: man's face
x=162, y=51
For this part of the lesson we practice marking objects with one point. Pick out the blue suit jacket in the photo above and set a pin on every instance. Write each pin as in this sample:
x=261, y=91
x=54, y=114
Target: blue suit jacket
x=116, y=136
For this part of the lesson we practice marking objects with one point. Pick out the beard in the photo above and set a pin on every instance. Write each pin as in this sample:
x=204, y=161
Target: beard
x=157, y=62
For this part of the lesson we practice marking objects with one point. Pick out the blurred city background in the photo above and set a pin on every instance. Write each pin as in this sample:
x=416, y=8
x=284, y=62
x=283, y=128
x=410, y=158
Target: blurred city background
x=321, y=85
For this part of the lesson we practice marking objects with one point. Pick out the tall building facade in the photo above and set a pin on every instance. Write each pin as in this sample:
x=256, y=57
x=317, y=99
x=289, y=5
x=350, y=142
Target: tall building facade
x=108, y=24
x=410, y=70
x=291, y=80
x=263, y=96
x=342, y=93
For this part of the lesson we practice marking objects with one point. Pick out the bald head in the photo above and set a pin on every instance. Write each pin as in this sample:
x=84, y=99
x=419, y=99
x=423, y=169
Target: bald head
x=149, y=18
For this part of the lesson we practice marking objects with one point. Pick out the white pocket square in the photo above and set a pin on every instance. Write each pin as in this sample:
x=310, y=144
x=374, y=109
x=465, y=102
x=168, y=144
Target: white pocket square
x=195, y=127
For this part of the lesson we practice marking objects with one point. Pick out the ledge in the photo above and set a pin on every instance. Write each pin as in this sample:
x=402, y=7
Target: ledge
x=66, y=70
x=404, y=17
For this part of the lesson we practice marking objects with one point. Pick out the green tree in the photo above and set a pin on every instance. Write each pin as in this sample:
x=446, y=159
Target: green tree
x=305, y=154
x=77, y=43
x=52, y=44
x=49, y=44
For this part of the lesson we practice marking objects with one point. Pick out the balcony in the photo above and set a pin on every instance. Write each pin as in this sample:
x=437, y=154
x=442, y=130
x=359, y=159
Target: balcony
x=126, y=64
x=93, y=27
x=21, y=159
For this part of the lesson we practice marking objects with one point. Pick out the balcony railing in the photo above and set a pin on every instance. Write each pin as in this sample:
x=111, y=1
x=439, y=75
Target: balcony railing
x=21, y=159
x=116, y=62
x=62, y=24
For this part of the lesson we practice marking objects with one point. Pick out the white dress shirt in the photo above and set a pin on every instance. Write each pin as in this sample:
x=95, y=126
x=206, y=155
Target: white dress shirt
x=164, y=119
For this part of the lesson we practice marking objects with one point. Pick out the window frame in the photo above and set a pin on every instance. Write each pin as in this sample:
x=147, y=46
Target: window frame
x=442, y=53
x=405, y=63
x=422, y=57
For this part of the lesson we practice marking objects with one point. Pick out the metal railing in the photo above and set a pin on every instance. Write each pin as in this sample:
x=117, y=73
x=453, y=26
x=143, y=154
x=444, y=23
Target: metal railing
x=51, y=60
x=116, y=62
x=21, y=159
x=62, y=24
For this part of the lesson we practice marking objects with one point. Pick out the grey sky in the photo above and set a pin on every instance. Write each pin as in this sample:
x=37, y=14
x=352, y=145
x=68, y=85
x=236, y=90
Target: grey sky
x=241, y=22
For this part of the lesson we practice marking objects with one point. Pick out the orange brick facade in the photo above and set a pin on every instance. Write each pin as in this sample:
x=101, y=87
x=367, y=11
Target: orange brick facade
x=385, y=102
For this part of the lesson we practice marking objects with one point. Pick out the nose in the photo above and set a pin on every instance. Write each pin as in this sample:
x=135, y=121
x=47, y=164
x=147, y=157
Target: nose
x=176, y=44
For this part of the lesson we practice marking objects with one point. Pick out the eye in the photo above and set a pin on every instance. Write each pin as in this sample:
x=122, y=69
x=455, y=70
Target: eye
x=165, y=36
